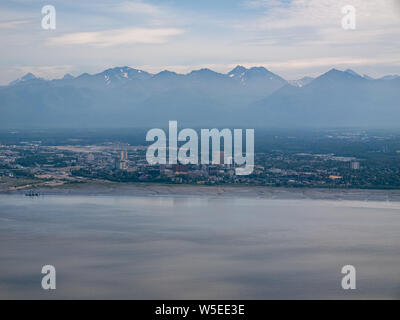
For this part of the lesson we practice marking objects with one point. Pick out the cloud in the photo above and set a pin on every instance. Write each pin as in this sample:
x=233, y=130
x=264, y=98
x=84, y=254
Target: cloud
x=319, y=21
x=159, y=15
x=117, y=37
x=138, y=7
x=13, y=24
x=329, y=62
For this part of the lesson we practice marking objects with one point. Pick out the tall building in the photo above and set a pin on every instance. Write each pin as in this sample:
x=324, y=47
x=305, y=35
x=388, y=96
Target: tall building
x=124, y=155
x=219, y=155
x=122, y=163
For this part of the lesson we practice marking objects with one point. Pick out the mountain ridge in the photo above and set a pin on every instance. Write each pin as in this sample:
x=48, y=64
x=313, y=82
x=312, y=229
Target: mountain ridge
x=124, y=96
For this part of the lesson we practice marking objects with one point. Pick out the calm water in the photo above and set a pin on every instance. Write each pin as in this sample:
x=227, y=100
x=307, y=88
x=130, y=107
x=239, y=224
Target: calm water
x=197, y=247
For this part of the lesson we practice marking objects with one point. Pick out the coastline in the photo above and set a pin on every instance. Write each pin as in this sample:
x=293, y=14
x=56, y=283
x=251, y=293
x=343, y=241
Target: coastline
x=149, y=189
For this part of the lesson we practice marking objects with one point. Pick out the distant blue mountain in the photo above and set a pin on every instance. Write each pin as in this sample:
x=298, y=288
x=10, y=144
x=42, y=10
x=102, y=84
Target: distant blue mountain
x=336, y=98
x=353, y=73
x=301, y=82
x=124, y=96
x=257, y=79
x=26, y=78
x=67, y=77
x=390, y=77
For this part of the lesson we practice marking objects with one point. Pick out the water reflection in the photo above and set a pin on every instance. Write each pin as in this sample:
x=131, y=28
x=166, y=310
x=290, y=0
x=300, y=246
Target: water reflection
x=197, y=247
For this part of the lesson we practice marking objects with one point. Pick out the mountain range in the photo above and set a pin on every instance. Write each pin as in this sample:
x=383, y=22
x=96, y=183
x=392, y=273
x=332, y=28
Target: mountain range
x=124, y=96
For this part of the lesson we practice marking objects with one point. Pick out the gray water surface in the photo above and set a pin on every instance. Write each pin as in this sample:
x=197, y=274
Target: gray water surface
x=174, y=247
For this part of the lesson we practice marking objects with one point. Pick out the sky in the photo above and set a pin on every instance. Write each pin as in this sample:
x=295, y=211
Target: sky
x=293, y=38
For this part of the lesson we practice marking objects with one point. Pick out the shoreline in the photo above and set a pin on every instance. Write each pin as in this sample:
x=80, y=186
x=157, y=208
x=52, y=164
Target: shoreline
x=148, y=189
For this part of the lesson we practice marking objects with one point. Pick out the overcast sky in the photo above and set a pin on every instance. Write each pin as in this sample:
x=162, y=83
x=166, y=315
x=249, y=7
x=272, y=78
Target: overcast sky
x=292, y=38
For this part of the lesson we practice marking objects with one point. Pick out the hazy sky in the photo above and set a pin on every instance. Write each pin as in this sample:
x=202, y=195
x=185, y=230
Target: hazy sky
x=293, y=38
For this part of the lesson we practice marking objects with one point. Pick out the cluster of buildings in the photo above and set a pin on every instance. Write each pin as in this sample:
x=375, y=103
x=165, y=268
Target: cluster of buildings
x=56, y=165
